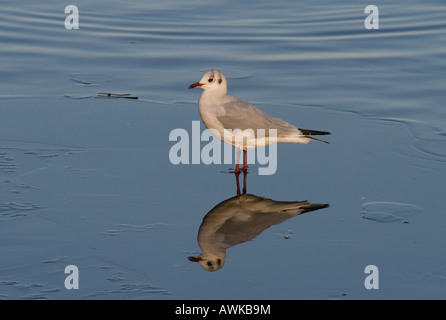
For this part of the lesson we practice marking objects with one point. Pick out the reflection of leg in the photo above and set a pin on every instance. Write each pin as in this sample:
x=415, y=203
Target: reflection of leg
x=237, y=181
x=245, y=162
x=245, y=177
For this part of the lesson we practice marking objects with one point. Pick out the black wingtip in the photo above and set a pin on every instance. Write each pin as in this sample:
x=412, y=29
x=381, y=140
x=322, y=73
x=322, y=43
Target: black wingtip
x=313, y=132
x=316, y=206
x=315, y=139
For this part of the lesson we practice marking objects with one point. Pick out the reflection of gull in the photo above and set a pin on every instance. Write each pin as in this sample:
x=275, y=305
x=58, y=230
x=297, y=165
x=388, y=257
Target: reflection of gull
x=240, y=219
x=225, y=113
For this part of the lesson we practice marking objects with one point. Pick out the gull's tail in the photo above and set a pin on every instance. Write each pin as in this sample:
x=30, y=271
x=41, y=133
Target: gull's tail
x=309, y=133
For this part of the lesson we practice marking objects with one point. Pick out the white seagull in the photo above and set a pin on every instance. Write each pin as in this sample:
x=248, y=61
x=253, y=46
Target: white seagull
x=241, y=124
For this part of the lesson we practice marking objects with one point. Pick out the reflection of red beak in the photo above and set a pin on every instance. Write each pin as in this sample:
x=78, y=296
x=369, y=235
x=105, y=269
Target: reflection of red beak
x=195, y=259
x=194, y=85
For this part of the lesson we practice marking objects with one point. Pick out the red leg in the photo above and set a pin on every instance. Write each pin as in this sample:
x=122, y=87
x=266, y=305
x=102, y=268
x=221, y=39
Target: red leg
x=237, y=166
x=245, y=162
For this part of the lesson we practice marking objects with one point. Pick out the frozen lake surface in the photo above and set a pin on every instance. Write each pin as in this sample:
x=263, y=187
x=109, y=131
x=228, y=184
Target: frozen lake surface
x=85, y=179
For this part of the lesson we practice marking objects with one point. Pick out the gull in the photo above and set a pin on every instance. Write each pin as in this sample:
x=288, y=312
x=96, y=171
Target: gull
x=240, y=123
x=240, y=219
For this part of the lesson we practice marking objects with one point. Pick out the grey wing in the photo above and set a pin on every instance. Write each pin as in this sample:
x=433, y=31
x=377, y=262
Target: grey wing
x=243, y=115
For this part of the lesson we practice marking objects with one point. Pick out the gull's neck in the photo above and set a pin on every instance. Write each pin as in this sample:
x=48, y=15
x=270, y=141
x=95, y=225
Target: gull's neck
x=213, y=96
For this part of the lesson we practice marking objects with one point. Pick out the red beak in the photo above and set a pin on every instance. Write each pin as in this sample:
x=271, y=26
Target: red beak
x=195, y=85
x=195, y=259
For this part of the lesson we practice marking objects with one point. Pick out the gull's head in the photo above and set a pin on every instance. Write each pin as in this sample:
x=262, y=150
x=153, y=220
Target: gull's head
x=212, y=80
x=209, y=261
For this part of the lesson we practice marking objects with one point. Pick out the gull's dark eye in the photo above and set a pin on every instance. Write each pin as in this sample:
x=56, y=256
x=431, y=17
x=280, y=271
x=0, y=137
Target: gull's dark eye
x=211, y=80
x=209, y=264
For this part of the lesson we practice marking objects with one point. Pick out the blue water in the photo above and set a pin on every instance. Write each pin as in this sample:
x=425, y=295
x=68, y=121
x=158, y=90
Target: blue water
x=87, y=181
